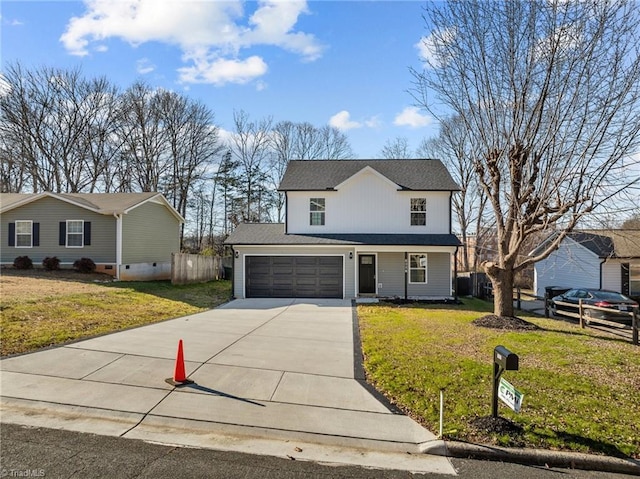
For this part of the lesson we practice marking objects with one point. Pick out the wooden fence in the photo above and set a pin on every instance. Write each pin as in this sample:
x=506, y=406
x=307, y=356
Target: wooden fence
x=585, y=319
x=195, y=268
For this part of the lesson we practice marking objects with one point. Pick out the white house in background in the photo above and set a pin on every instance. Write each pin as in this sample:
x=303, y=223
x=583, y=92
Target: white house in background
x=604, y=259
x=353, y=228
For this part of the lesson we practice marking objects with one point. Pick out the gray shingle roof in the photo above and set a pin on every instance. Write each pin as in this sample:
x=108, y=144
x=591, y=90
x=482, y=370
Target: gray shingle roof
x=604, y=243
x=103, y=203
x=316, y=175
x=273, y=234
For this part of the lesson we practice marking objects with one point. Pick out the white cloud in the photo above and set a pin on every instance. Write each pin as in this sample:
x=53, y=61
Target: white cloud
x=144, y=66
x=426, y=46
x=342, y=121
x=211, y=34
x=412, y=117
x=220, y=71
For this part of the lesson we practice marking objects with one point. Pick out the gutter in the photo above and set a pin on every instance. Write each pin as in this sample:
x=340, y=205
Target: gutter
x=118, y=218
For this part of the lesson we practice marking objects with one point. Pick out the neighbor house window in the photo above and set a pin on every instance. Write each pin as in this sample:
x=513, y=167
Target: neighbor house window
x=316, y=211
x=24, y=234
x=418, y=268
x=418, y=211
x=75, y=233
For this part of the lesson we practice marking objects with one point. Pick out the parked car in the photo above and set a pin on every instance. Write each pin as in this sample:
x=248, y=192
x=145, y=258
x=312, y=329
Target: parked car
x=618, y=304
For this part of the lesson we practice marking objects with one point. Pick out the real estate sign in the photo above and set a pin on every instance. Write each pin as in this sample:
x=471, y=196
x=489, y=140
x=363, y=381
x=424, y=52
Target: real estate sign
x=510, y=395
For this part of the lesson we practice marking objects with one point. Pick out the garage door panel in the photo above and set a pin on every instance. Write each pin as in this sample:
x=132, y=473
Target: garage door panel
x=294, y=276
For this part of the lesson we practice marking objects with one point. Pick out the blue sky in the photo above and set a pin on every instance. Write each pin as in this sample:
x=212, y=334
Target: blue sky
x=344, y=63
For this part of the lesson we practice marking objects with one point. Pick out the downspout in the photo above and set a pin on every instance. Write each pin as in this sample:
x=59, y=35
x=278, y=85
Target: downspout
x=233, y=272
x=450, y=215
x=118, y=218
x=406, y=276
x=601, y=263
x=455, y=275
x=286, y=212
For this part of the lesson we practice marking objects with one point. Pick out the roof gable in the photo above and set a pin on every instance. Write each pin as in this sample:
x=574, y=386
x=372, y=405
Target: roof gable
x=364, y=171
x=101, y=203
x=602, y=243
x=319, y=175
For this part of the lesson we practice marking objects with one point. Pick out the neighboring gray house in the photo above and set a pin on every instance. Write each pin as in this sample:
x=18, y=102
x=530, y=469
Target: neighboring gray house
x=353, y=228
x=603, y=259
x=128, y=235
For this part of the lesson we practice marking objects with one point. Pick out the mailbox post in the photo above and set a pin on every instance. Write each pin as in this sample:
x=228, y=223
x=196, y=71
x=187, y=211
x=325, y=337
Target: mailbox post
x=503, y=360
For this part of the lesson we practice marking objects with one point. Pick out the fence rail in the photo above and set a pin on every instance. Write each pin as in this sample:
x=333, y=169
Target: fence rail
x=195, y=268
x=585, y=320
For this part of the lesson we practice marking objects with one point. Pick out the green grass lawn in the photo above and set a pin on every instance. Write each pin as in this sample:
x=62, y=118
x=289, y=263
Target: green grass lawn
x=36, y=322
x=581, y=388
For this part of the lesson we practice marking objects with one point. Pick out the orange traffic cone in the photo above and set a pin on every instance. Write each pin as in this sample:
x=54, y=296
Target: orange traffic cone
x=179, y=375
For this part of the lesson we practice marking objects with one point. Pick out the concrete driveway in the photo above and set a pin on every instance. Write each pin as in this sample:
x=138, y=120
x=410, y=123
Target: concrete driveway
x=270, y=376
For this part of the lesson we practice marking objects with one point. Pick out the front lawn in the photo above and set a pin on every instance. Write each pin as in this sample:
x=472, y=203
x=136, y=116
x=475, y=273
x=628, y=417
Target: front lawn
x=581, y=387
x=47, y=311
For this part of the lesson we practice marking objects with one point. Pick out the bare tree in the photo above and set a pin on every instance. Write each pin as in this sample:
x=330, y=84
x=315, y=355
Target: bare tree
x=47, y=117
x=335, y=144
x=250, y=147
x=453, y=147
x=143, y=162
x=549, y=92
x=396, y=149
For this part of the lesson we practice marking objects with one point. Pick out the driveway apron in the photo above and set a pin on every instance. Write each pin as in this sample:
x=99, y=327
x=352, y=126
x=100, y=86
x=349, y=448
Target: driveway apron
x=265, y=372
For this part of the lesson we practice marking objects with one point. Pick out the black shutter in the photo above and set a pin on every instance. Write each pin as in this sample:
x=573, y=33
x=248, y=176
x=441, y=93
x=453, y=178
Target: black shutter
x=87, y=233
x=12, y=234
x=62, y=240
x=36, y=234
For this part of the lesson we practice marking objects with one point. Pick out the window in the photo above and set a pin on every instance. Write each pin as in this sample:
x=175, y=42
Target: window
x=75, y=233
x=418, y=268
x=24, y=234
x=316, y=211
x=418, y=211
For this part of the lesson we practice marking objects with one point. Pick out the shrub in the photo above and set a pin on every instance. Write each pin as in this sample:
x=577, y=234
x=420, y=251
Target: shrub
x=84, y=265
x=22, y=262
x=51, y=263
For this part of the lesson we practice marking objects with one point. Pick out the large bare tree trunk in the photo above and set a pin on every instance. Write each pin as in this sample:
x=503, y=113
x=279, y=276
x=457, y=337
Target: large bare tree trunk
x=502, y=280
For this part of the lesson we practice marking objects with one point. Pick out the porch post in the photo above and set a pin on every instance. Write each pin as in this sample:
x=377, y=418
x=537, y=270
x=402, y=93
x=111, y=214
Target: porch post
x=406, y=275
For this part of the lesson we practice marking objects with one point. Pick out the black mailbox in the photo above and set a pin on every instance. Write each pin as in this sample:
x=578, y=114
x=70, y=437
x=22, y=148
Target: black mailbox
x=505, y=358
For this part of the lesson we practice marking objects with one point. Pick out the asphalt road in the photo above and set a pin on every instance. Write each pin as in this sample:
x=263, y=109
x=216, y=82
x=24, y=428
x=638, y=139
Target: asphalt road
x=38, y=452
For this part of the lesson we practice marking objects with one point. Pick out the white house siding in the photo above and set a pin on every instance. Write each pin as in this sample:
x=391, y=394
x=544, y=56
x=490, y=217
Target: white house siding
x=571, y=265
x=238, y=264
x=49, y=212
x=150, y=233
x=368, y=204
x=612, y=274
x=391, y=276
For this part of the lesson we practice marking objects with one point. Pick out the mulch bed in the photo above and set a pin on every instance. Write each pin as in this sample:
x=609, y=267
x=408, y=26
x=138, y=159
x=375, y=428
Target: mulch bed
x=496, y=425
x=511, y=323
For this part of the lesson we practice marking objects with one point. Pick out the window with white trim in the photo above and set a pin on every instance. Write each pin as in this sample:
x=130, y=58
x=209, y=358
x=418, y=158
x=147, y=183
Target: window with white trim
x=418, y=211
x=24, y=234
x=75, y=233
x=418, y=268
x=316, y=211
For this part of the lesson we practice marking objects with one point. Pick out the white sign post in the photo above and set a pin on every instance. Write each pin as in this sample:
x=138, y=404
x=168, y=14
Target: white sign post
x=510, y=395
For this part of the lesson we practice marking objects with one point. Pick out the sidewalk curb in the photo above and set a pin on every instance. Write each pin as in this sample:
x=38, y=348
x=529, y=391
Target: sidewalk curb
x=538, y=457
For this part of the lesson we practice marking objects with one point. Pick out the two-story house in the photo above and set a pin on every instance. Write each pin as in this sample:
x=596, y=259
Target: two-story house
x=353, y=228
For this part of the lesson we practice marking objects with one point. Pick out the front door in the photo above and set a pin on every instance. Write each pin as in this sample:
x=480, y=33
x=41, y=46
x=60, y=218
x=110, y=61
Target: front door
x=367, y=274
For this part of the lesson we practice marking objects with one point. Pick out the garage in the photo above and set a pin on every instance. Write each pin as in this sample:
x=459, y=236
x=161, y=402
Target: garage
x=294, y=276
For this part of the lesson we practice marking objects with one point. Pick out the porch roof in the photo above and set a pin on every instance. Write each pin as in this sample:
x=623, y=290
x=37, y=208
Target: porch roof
x=274, y=234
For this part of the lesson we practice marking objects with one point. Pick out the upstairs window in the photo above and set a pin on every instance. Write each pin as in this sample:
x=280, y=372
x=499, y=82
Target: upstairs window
x=418, y=211
x=418, y=268
x=75, y=233
x=24, y=234
x=316, y=211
